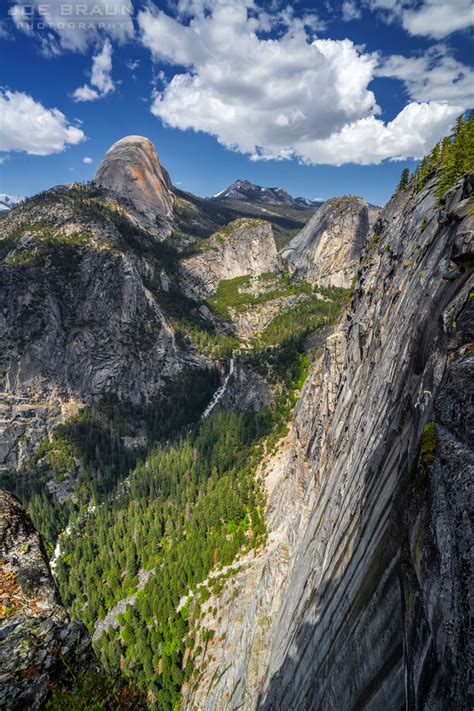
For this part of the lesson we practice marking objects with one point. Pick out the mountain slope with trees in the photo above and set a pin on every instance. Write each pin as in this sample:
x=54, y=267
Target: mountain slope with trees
x=264, y=547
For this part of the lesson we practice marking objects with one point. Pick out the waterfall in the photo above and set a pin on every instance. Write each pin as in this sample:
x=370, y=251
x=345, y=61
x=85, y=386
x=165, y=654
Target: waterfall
x=57, y=548
x=219, y=392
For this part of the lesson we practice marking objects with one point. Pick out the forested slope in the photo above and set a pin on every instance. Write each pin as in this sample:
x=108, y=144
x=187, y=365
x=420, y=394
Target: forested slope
x=262, y=546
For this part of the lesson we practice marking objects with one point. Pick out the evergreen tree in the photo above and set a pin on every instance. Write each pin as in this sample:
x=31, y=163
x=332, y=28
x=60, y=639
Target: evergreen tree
x=450, y=159
x=191, y=503
x=404, y=180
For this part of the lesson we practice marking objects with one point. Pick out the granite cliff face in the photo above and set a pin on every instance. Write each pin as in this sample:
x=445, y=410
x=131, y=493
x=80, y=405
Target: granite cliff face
x=131, y=171
x=359, y=596
x=80, y=312
x=244, y=247
x=435, y=526
x=85, y=273
x=328, y=248
x=41, y=648
x=364, y=579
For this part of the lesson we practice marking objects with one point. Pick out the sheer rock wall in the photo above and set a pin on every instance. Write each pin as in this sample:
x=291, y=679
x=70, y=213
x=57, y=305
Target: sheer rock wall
x=348, y=596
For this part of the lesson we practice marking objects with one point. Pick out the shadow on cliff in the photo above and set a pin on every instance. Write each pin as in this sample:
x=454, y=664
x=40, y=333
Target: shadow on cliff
x=352, y=656
x=344, y=650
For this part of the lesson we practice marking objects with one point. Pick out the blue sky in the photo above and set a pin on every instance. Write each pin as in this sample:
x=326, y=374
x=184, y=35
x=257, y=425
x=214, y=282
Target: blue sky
x=322, y=98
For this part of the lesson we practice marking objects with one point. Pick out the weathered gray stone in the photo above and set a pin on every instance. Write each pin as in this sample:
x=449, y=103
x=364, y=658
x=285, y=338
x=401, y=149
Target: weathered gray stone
x=320, y=620
x=246, y=391
x=244, y=247
x=363, y=582
x=131, y=170
x=79, y=321
x=40, y=647
x=253, y=321
x=436, y=533
x=328, y=248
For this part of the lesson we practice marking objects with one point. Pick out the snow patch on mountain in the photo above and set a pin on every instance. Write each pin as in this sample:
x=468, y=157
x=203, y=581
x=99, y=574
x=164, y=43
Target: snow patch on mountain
x=9, y=201
x=246, y=191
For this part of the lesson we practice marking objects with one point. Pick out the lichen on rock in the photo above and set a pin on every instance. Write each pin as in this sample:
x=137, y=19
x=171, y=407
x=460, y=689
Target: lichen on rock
x=40, y=647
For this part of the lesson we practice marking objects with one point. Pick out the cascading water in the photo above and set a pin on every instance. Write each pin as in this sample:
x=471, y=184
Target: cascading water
x=219, y=392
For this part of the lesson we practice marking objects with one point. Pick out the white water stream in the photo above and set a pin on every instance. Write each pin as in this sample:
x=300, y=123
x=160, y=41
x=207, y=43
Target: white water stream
x=57, y=548
x=67, y=532
x=215, y=399
x=219, y=392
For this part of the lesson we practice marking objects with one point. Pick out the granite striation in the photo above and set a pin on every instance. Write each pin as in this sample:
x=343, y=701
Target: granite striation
x=364, y=579
x=244, y=247
x=327, y=250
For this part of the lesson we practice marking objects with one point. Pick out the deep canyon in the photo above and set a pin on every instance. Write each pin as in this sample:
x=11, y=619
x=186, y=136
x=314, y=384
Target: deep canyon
x=244, y=426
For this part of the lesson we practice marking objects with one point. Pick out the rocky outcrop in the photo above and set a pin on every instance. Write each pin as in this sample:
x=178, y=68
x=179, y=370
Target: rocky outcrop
x=244, y=247
x=131, y=171
x=253, y=321
x=373, y=212
x=111, y=618
x=41, y=648
x=79, y=309
x=327, y=250
x=364, y=578
x=246, y=391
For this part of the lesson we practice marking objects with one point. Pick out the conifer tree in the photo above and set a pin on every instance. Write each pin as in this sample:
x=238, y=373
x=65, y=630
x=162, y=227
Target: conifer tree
x=451, y=158
x=404, y=179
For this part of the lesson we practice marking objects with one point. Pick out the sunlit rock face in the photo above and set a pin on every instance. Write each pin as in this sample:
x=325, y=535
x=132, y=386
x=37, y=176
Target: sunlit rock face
x=41, y=648
x=78, y=316
x=130, y=169
x=328, y=248
x=360, y=598
x=245, y=247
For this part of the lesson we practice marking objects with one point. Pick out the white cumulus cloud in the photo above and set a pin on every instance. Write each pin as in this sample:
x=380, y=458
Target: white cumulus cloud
x=369, y=140
x=26, y=125
x=438, y=18
x=85, y=93
x=87, y=160
x=434, y=76
x=256, y=95
x=429, y=18
x=293, y=95
x=101, y=80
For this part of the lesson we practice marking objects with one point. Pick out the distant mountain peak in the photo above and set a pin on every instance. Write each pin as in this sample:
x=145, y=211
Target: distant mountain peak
x=244, y=190
x=9, y=201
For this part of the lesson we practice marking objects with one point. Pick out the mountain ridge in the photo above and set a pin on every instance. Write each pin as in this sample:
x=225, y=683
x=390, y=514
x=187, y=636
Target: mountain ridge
x=311, y=527
x=7, y=202
x=244, y=190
